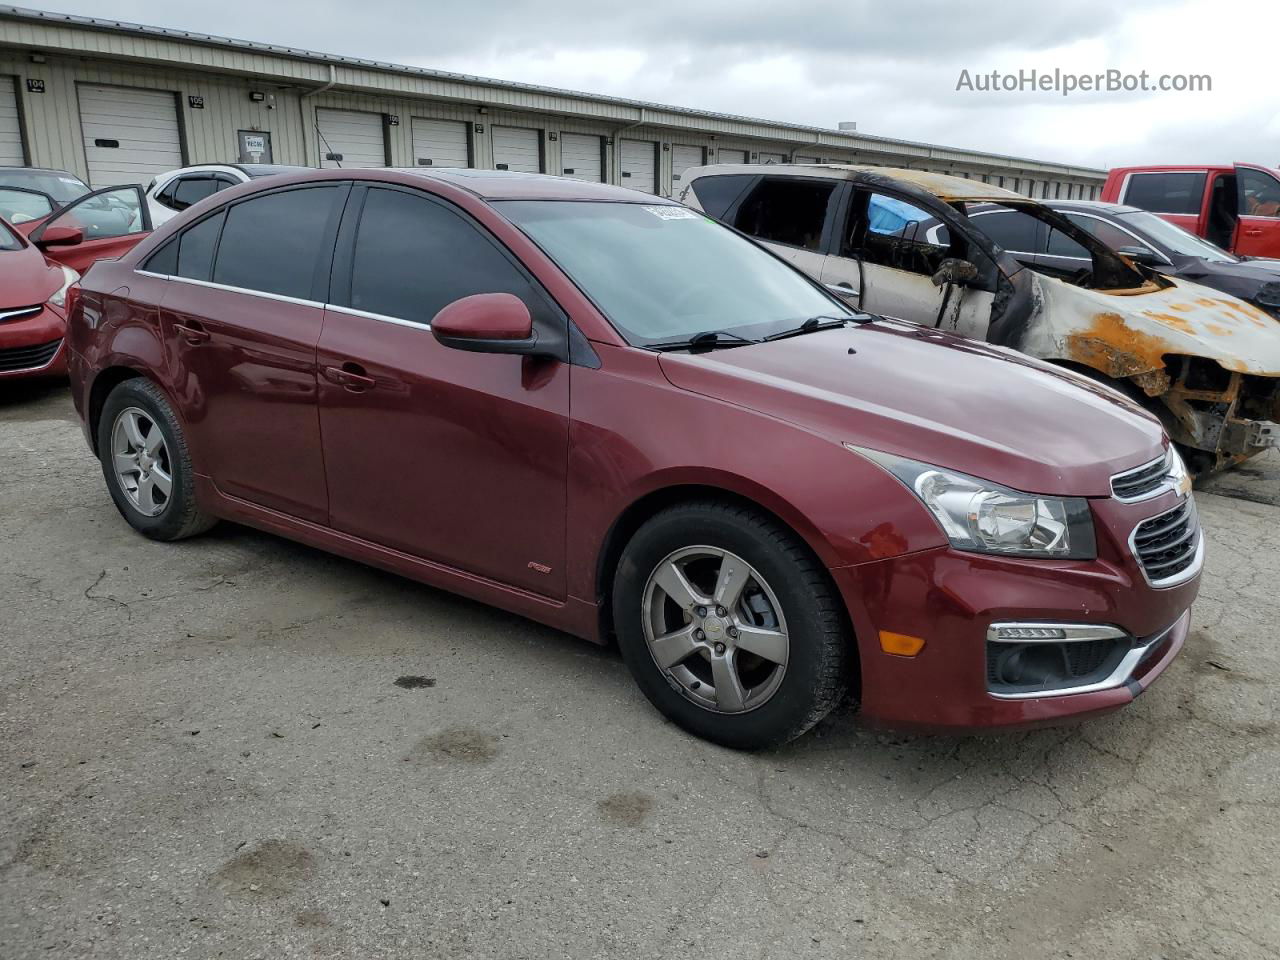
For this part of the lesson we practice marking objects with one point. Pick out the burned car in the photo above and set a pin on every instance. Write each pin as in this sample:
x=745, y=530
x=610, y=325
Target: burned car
x=901, y=243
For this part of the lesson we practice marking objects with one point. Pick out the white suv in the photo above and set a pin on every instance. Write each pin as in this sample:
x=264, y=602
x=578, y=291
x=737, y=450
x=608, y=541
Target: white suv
x=171, y=193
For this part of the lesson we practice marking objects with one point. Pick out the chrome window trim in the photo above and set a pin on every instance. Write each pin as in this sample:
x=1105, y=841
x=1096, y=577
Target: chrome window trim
x=1117, y=678
x=1111, y=223
x=223, y=286
x=398, y=321
x=1197, y=562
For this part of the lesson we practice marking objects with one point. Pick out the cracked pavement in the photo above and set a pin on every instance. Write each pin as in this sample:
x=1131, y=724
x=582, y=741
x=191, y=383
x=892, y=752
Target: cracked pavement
x=205, y=753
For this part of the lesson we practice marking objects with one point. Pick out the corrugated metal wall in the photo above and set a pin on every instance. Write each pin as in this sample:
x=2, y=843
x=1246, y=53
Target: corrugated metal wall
x=51, y=119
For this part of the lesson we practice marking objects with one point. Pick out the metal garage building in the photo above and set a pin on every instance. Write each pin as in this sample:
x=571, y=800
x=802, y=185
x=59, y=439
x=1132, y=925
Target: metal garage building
x=119, y=103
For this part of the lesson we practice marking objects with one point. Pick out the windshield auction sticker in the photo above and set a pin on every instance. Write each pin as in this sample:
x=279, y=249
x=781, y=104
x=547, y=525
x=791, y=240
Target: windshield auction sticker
x=672, y=213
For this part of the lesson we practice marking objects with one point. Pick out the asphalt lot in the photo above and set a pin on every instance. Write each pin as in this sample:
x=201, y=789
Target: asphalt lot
x=204, y=753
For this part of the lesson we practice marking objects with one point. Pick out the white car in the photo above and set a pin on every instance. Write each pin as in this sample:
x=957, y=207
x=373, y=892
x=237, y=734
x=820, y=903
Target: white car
x=171, y=193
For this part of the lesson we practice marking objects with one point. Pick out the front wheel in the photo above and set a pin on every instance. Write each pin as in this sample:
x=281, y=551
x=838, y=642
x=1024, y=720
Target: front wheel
x=730, y=626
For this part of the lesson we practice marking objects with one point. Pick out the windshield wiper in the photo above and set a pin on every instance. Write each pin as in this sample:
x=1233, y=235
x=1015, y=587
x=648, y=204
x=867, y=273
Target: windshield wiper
x=816, y=323
x=707, y=340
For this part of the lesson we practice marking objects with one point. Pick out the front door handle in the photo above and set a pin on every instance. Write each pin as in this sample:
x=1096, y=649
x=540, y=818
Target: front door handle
x=350, y=375
x=844, y=289
x=1253, y=232
x=191, y=333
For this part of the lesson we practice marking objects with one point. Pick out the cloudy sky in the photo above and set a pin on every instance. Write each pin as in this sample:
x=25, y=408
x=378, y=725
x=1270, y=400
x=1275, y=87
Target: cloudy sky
x=890, y=65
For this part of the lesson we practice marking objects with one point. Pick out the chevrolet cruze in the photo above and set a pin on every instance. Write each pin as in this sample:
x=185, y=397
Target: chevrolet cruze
x=608, y=413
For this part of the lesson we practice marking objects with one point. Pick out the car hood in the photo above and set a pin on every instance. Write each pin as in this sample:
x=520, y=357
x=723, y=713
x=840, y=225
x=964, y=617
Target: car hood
x=26, y=278
x=1248, y=279
x=1127, y=333
x=983, y=410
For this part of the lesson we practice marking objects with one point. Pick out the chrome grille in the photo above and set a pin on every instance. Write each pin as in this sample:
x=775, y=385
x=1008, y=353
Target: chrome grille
x=19, y=313
x=1141, y=482
x=28, y=358
x=1168, y=546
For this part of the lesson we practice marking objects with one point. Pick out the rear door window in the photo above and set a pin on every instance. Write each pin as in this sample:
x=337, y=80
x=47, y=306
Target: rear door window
x=1166, y=192
x=1259, y=193
x=414, y=255
x=792, y=212
x=191, y=190
x=277, y=243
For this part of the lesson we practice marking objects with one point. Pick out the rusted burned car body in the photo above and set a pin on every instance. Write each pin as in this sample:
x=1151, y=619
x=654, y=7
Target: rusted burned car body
x=1206, y=363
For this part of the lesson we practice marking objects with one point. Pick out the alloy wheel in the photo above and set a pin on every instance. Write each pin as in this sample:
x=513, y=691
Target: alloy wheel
x=140, y=459
x=716, y=629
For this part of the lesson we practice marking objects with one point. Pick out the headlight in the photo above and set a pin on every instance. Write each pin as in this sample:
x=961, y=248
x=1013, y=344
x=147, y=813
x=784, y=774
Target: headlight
x=69, y=277
x=984, y=517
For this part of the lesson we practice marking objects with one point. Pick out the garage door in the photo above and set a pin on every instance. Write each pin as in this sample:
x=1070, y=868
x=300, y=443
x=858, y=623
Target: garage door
x=772, y=157
x=682, y=158
x=731, y=156
x=440, y=143
x=10, y=129
x=639, y=165
x=350, y=139
x=129, y=135
x=517, y=148
x=581, y=157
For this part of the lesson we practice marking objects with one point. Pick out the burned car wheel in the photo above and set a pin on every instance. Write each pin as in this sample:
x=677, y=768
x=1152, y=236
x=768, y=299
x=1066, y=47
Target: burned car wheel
x=146, y=464
x=730, y=626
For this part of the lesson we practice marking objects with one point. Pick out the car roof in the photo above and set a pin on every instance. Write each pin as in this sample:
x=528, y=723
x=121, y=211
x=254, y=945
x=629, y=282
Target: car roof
x=1096, y=206
x=33, y=170
x=941, y=185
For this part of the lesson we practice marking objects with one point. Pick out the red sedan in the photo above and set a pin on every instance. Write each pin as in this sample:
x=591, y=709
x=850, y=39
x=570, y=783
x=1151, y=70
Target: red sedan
x=44, y=247
x=609, y=413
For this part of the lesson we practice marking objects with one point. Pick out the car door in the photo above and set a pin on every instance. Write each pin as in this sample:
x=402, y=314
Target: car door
x=111, y=221
x=793, y=216
x=889, y=250
x=455, y=457
x=241, y=318
x=1258, y=232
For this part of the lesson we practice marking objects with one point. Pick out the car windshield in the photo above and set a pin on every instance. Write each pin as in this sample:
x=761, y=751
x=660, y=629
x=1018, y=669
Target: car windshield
x=63, y=187
x=1173, y=237
x=662, y=272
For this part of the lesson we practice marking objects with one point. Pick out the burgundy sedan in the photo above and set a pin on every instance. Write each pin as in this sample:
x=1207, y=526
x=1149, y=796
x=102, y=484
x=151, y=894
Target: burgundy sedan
x=608, y=413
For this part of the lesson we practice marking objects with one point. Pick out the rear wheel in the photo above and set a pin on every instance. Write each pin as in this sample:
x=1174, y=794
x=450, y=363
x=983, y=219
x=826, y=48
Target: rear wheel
x=729, y=625
x=146, y=464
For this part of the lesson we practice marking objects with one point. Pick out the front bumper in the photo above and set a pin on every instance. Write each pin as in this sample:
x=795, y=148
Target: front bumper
x=951, y=599
x=34, y=346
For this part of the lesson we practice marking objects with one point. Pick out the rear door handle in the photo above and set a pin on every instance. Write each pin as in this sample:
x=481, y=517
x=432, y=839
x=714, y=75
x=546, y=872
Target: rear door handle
x=350, y=375
x=192, y=333
x=1255, y=232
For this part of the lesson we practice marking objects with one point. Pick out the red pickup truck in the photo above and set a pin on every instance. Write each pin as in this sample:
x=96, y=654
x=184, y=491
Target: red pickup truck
x=1237, y=207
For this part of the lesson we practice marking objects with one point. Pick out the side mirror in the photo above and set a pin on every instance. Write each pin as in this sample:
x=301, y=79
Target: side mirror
x=1141, y=255
x=486, y=323
x=60, y=235
x=954, y=270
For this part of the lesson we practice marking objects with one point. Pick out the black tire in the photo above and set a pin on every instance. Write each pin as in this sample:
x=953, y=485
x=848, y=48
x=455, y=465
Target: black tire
x=179, y=517
x=820, y=658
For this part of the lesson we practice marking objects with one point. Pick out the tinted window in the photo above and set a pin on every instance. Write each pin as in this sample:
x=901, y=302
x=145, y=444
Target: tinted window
x=1259, y=193
x=717, y=194
x=1060, y=245
x=1012, y=229
x=164, y=260
x=1108, y=233
x=196, y=246
x=275, y=243
x=1166, y=192
x=791, y=212
x=414, y=256
x=191, y=190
